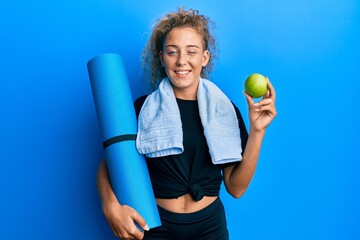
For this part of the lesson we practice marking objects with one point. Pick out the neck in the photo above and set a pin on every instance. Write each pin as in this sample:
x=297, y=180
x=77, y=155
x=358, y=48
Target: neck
x=185, y=95
x=189, y=93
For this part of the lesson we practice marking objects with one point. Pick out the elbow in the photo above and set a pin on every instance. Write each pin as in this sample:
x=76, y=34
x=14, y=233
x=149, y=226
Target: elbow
x=237, y=193
x=235, y=189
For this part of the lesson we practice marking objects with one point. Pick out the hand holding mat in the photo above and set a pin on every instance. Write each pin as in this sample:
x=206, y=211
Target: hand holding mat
x=128, y=171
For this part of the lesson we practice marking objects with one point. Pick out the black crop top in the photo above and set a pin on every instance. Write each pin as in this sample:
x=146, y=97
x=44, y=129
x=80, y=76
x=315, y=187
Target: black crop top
x=191, y=171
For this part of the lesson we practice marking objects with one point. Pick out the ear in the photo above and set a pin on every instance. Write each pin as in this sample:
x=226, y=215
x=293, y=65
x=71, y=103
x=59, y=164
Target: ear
x=206, y=58
x=161, y=58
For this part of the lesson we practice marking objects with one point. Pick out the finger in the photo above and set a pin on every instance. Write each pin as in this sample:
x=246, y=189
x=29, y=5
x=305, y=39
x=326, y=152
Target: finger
x=269, y=109
x=249, y=99
x=265, y=101
x=272, y=91
x=267, y=94
x=134, y=232
x=139, y=235
x=136, y=218
x=115, y=231
x=139, y=220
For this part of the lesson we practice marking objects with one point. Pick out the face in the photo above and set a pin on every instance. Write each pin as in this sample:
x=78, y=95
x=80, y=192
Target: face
x=183, y=57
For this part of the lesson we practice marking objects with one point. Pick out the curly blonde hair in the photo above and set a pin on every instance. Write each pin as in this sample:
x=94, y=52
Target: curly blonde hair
x=151, y=63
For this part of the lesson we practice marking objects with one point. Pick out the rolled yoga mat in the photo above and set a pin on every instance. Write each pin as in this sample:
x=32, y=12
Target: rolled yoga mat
x=128, y=171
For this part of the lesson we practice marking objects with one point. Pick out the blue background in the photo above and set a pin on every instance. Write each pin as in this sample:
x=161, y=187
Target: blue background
x=307, y=182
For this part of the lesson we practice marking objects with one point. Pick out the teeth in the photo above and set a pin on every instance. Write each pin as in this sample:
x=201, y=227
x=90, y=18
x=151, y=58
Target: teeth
x=182, y=72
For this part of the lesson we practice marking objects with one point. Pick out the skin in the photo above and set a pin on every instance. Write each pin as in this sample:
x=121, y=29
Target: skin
x=183, y=57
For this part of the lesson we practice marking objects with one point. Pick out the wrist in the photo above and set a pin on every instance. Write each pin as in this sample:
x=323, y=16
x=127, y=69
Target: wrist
x=108, y=206
x=257, y=132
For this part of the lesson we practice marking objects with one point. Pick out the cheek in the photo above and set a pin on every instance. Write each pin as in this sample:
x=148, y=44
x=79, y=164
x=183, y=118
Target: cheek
x=166, y=65
x=198, y=63
x=167, y=61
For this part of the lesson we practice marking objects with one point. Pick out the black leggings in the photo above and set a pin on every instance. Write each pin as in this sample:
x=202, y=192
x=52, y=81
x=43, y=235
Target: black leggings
x=208, y=223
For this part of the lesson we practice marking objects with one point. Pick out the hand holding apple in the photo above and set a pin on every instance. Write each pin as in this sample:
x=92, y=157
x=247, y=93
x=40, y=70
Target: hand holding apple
x=263, y=112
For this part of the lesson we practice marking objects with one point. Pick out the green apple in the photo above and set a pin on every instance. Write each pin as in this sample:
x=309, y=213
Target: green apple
x=256, y=85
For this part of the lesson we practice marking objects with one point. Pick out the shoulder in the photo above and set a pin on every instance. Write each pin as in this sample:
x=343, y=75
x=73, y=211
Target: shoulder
x=138, y=103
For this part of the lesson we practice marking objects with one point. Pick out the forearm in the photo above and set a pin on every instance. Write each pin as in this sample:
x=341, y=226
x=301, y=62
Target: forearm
x=121, y=218
x=106, y=193
x=242, y=173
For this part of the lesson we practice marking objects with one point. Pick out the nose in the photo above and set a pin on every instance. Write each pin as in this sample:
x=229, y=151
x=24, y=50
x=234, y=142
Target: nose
x=181, y=60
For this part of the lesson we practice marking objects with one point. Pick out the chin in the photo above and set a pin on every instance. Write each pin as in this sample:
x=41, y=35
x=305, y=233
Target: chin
x=183, y=83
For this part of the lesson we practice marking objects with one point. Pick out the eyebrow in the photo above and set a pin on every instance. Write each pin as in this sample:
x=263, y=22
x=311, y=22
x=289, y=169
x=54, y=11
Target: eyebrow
x=171, y=45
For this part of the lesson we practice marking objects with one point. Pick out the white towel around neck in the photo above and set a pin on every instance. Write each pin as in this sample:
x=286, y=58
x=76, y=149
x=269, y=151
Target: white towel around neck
x=160, y=128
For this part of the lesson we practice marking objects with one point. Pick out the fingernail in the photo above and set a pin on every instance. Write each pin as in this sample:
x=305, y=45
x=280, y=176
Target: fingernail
x=146, y=228
x=255, y=104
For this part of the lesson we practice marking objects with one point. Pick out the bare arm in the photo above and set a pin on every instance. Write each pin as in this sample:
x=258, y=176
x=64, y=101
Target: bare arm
x=106, y=193
x=238, y=177
x=120, y=217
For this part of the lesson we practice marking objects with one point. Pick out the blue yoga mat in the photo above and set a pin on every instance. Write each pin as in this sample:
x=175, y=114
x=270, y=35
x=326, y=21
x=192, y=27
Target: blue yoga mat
x=128, y=171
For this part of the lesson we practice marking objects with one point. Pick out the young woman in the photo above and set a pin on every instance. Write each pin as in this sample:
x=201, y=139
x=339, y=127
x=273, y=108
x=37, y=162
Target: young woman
x=197, y=121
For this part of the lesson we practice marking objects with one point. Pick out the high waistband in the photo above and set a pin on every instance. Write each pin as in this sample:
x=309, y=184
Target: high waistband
x=184, y=218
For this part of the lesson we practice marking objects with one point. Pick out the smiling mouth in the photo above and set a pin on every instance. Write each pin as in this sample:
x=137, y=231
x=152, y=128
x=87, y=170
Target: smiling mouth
x=182, y=72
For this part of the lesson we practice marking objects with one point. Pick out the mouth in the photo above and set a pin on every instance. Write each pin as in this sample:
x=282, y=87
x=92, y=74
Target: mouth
x=182, y=72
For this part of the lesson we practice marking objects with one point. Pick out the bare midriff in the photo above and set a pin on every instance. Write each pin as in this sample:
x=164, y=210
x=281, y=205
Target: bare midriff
x=185, y=203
